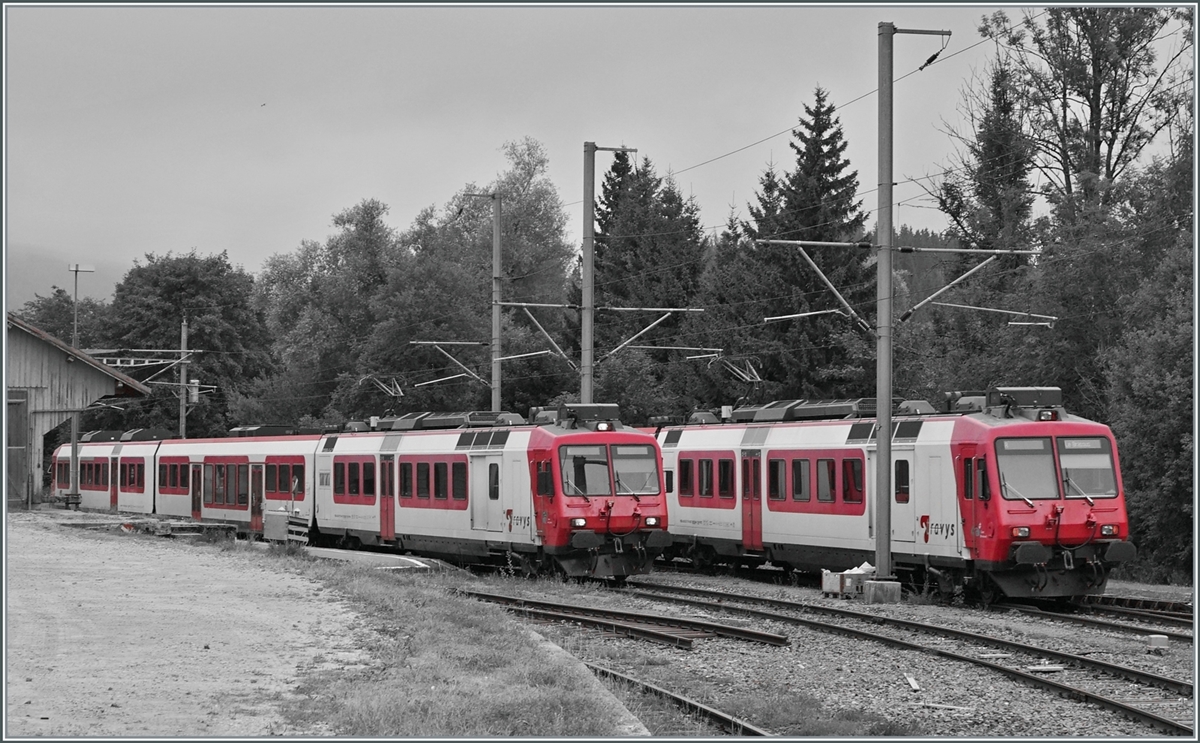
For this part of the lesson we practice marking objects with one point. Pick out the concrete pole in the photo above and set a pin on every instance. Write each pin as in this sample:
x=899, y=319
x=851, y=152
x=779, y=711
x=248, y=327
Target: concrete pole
x=75, y=455
x=587, y=313
x=883, y=380
x=496, y=302
x=183, y=389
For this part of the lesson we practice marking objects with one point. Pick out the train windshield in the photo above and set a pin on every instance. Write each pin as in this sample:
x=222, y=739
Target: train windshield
x=635, y=469
x=585, y=470
x=1087, y=468
x=1026, y=469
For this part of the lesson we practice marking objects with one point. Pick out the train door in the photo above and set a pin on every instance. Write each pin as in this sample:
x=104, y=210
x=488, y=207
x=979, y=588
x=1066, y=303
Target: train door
x=487, y=513
x=387, y=497
x=114, y=482
x=196, y=481
x=905, y=501
x=256, y=497
x=752, y=500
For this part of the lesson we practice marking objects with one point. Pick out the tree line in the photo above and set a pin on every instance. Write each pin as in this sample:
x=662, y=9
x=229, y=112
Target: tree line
x=1077, y=146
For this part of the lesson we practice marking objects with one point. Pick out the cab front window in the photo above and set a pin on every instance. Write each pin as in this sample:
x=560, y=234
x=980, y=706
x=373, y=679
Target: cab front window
x=1087, y=468
x=635, y=469
x=1026, y=469
x=585, y=470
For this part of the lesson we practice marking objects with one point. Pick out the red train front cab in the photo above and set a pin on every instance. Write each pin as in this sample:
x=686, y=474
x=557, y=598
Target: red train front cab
x=1041, y=495
x=597, y=492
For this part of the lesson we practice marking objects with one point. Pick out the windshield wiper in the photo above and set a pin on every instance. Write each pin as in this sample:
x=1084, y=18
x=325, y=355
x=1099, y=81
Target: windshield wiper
x=1071, y=484
x=617, y=479
x=578, y=492
x=1004, y=486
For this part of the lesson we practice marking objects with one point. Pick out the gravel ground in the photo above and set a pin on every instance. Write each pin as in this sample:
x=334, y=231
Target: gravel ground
x=117, y=653
x=953, y=699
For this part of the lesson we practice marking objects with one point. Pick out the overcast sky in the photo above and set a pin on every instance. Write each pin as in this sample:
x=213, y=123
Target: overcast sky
x=135, y=130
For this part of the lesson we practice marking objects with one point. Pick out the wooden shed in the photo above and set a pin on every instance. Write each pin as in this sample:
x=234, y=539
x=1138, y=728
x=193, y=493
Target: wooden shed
x=48, y=382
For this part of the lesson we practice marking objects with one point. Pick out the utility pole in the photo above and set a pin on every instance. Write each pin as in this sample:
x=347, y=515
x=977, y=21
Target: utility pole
x=883, y=381
x=588, y=310
x=77, y=269
x=495, y=197
x=183, y=388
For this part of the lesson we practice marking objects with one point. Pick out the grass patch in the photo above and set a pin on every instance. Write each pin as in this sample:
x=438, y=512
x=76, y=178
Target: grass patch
x=440, y=664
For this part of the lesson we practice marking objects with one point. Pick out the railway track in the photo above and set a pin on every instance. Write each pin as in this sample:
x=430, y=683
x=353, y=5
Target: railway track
x=679, y=632
x=723, y=720
x=1096, y=622
x=1132, y=692
x=1130, y=602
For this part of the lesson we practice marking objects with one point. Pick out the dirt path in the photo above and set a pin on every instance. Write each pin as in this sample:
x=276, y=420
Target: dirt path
x=115, y=636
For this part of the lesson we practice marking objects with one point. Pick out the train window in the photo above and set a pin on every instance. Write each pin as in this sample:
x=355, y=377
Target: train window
x=706, y=478
x=439, y=480
x=176, y=473
x=635, y=469
x=968, y=478
x=984, y=490
x=406, y=488
x=339, y=478
x=494, y=480
x=141, y=476
x=776, y=479
x=124, y=474
x=685, y=477
x=585, y=470
x=368, y=478
x=219, y=484
x=422, y=479
x=352, y=478
x=545, y=479
x=725, y=478
x=826, y=480
x=852, y=480
x=670, y=477
x=1087, y=468
x=272, y=474
x=901, y=481
x=163, y=477
x=208, y=483
x=458, y=476
x=1026, y=469
x=801, y=487
x=243, y=491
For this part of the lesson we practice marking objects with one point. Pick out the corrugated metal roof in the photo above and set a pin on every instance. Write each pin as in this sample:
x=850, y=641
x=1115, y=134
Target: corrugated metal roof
x=130, y=384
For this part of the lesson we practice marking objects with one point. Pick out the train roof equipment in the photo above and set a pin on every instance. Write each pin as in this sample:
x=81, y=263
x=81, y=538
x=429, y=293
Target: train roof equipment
x=1032, y=403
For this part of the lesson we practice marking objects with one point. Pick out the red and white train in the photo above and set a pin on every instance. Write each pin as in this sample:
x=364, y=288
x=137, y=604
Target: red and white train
x=1009, y=495
x=581, y=495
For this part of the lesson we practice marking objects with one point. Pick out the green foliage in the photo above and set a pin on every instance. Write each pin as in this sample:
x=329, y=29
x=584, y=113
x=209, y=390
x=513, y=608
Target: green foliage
x=1096, y=96
x=229, y=332
x=56, y=314
x=817, y=356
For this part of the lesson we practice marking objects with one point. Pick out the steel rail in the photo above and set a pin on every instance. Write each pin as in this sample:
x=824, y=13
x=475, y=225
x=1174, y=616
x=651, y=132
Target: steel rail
x=1163, y=723
x=1077, y=619
x=724, y=720
x=1131, y=602
x=663, y=637
x=1174, y=618
x=1176, y=685
x=724, y=630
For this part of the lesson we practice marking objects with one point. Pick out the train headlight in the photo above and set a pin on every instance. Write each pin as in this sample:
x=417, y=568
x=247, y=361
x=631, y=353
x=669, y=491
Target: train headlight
x=1048, y=415
x=578, y=523
x=651, y=521
x=1108, y=530
x=1020, y=532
